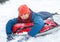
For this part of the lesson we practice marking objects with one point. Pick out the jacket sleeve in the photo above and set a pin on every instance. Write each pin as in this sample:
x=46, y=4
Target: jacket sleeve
x=38, y=24
x=9, y=25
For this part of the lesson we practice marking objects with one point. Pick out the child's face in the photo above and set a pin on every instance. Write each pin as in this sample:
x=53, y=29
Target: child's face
x=25, y=16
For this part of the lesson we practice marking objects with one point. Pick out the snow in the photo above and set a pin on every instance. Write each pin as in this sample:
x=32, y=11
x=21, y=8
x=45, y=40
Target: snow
x=9, y=11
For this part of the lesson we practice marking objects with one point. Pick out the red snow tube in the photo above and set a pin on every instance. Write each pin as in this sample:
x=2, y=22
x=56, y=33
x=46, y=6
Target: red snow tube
x=20, y=28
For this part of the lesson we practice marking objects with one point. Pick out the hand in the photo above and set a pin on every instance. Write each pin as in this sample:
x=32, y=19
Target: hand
x=25, y=38
x=10, y=37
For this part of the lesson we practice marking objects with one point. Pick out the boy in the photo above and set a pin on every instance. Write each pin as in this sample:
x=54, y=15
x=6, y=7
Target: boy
x=26, y=15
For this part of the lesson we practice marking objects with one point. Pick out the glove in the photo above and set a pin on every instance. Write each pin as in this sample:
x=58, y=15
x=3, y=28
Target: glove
x=25, y=38
x=10, y=37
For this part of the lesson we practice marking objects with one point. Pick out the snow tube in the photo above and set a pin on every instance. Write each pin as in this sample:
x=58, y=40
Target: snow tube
x=20, y=28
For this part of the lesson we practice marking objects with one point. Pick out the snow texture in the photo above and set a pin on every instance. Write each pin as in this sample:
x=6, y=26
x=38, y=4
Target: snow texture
x=9, y=11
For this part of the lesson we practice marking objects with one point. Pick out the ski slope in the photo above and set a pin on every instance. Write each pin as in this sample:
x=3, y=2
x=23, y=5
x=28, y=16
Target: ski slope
x=9, y=11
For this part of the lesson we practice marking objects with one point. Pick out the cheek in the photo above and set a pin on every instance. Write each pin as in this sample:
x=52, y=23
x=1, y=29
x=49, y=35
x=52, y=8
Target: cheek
x=27, y=16
x=21, y=17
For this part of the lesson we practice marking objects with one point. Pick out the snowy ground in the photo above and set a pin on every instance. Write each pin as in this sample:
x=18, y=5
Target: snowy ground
x=9, y=11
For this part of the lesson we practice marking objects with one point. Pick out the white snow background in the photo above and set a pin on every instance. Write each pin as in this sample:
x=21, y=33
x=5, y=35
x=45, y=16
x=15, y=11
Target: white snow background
x=9, y=11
